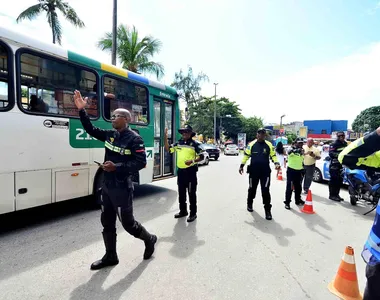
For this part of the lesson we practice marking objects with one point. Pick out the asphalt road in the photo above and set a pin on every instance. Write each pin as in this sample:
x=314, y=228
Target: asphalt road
x=227, y=253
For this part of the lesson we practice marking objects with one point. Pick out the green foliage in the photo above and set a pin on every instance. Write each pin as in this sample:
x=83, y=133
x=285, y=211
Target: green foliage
x=50, y=7
x=367, y=120
x=291, y=137
x=188, y=85
x=250, y=127
x=135, y=54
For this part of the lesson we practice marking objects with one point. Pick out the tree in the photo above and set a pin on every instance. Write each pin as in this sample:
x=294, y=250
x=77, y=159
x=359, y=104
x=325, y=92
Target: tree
x=189, y=86
x=367, y=120
x=250, y=127
x=135, y=54
x=291, y=137
x=51, y=7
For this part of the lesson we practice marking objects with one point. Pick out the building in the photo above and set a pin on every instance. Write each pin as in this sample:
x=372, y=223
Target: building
x=324, y=129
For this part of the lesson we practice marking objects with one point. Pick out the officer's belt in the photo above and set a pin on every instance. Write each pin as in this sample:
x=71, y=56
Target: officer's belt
x=119, y=150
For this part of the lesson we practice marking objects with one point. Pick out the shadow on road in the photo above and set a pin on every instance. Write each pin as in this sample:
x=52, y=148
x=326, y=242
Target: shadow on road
x=93, y=288
x=271, y=227
x=312, y=221
x=54, y=231
x=184, y=239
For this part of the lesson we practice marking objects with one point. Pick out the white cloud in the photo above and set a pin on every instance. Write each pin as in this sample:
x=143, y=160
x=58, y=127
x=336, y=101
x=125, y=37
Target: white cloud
x=335, y=90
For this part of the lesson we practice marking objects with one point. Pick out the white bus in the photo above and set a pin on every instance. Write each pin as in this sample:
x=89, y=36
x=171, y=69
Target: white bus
x=46, y=156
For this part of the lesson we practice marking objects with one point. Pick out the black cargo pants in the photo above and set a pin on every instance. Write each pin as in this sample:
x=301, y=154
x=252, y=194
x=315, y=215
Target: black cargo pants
x=187, y=182
x=262, y=176
x=336, y=179
x=117, y=201
x=372, y=289
x=293, y=177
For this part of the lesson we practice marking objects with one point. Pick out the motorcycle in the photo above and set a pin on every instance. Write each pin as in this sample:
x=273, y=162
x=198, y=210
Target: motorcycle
x=363, y=187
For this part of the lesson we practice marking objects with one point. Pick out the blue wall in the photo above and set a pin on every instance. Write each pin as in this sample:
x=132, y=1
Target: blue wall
x=325, y=126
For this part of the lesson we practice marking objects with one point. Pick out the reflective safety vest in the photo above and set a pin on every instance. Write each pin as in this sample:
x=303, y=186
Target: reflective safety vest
x=185, y=151
x=371, y=251
x=119, y=150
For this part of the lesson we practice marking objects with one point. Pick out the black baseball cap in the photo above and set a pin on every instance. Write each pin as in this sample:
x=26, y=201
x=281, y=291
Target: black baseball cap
x=261, y=130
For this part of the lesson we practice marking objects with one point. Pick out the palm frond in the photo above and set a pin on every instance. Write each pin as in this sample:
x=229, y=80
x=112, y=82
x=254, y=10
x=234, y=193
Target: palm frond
x=55, y=26
x=152, y=67
x=30, y=13
x=69, y=13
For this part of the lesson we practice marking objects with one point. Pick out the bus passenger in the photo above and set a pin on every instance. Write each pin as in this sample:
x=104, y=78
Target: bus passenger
x=124, y=155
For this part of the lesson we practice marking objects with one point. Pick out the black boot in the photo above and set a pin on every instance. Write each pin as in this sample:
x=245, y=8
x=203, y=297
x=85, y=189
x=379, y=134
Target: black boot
x=110, y=258
x=268, y=214
x=149, y=240
x=181, y=214
x=250, y=207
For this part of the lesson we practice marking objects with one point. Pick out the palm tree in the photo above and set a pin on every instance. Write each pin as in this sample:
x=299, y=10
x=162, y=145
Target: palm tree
x=51, y=7
x=134, y=53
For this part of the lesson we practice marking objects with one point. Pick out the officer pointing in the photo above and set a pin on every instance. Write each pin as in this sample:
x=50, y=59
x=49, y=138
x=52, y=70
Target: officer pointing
x=188, y=154
x=124, y=155
x=260, y=151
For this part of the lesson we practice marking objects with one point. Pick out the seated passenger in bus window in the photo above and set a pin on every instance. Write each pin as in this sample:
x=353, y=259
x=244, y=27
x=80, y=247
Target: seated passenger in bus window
x=38, y=105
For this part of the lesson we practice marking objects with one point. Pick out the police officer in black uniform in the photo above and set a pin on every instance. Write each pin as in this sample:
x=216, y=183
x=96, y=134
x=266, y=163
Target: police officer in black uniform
x=336, y=179
x=124, y=155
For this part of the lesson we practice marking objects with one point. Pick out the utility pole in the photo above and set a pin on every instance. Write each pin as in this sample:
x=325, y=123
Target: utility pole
x=114, y=32
x=215, y=114
x=281, y=124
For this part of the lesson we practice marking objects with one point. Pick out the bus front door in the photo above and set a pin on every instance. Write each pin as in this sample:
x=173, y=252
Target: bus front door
x=163, y=118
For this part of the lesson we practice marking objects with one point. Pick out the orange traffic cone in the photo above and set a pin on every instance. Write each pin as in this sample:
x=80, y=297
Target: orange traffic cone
x=345, y=285
x=279, y=176
x=308, y=207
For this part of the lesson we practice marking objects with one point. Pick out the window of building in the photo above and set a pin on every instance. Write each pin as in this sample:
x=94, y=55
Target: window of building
x=324, y=131
x=6, y=98
x=48, y=84
x=120, y=93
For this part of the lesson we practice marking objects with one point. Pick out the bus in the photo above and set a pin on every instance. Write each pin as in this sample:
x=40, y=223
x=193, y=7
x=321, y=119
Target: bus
x=46, y=156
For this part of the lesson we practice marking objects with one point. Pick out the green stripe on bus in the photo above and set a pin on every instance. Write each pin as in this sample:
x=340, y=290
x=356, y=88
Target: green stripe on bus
x=83, y=60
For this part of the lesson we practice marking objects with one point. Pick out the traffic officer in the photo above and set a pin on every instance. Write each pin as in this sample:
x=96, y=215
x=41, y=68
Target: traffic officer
x=259, y=151
x=124, y=155
x=294, y=173
x=364, y=154
x=336, y=178
x=188, y=154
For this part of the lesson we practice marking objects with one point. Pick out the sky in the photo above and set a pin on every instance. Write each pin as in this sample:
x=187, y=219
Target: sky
x=303, y=58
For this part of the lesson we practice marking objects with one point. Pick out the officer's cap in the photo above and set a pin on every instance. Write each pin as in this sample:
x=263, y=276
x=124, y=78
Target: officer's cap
x=262, y=130
x=188, y=129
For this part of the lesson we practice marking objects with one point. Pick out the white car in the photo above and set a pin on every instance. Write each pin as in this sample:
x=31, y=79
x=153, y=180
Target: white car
x=321, y=171
x=231, y=149
x=206, y=157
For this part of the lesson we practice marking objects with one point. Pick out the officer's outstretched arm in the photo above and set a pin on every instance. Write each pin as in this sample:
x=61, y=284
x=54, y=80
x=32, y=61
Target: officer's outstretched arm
x=139, y=155
x=95, y=132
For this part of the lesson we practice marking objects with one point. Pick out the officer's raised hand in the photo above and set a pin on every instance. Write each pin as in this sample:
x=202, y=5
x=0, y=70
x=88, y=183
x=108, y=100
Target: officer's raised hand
x=109, y=166
x=80, y=103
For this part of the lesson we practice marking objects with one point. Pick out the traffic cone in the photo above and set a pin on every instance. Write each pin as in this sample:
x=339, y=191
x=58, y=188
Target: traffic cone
x=308, y=207
x=279, y=177
x=345, y=285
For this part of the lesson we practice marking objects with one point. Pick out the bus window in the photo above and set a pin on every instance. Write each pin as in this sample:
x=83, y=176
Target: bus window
x=48, y=84
x=4, y=78
x=126, y=95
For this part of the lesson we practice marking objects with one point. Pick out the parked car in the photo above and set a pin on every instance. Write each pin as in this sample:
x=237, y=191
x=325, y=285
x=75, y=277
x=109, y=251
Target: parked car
x=206, y=158
x=231, y=149
x=321, y=171
x=212, y=151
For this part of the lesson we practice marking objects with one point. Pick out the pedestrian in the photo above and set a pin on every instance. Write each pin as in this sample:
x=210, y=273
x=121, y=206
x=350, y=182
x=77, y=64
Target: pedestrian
x=260, y=151
x=124, y=155
x=336, y=178
x=280, y=154
x=312, y=154
x=364, y=154
x=294, y=173
x=188, y=154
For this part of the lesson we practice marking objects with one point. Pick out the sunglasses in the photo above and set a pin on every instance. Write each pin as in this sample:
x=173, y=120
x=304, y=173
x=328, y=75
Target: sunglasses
x=113, y=117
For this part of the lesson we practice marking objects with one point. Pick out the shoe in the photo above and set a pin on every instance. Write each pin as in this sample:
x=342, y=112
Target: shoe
x=191, y=218
x=149, y=240
x=249, y=208
x=334, y=198
x=340, y=198
x=181, y=214
x=110, y=258
x=300, y=202
x=287, y=205
x=268, y=214
x=305, y=192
